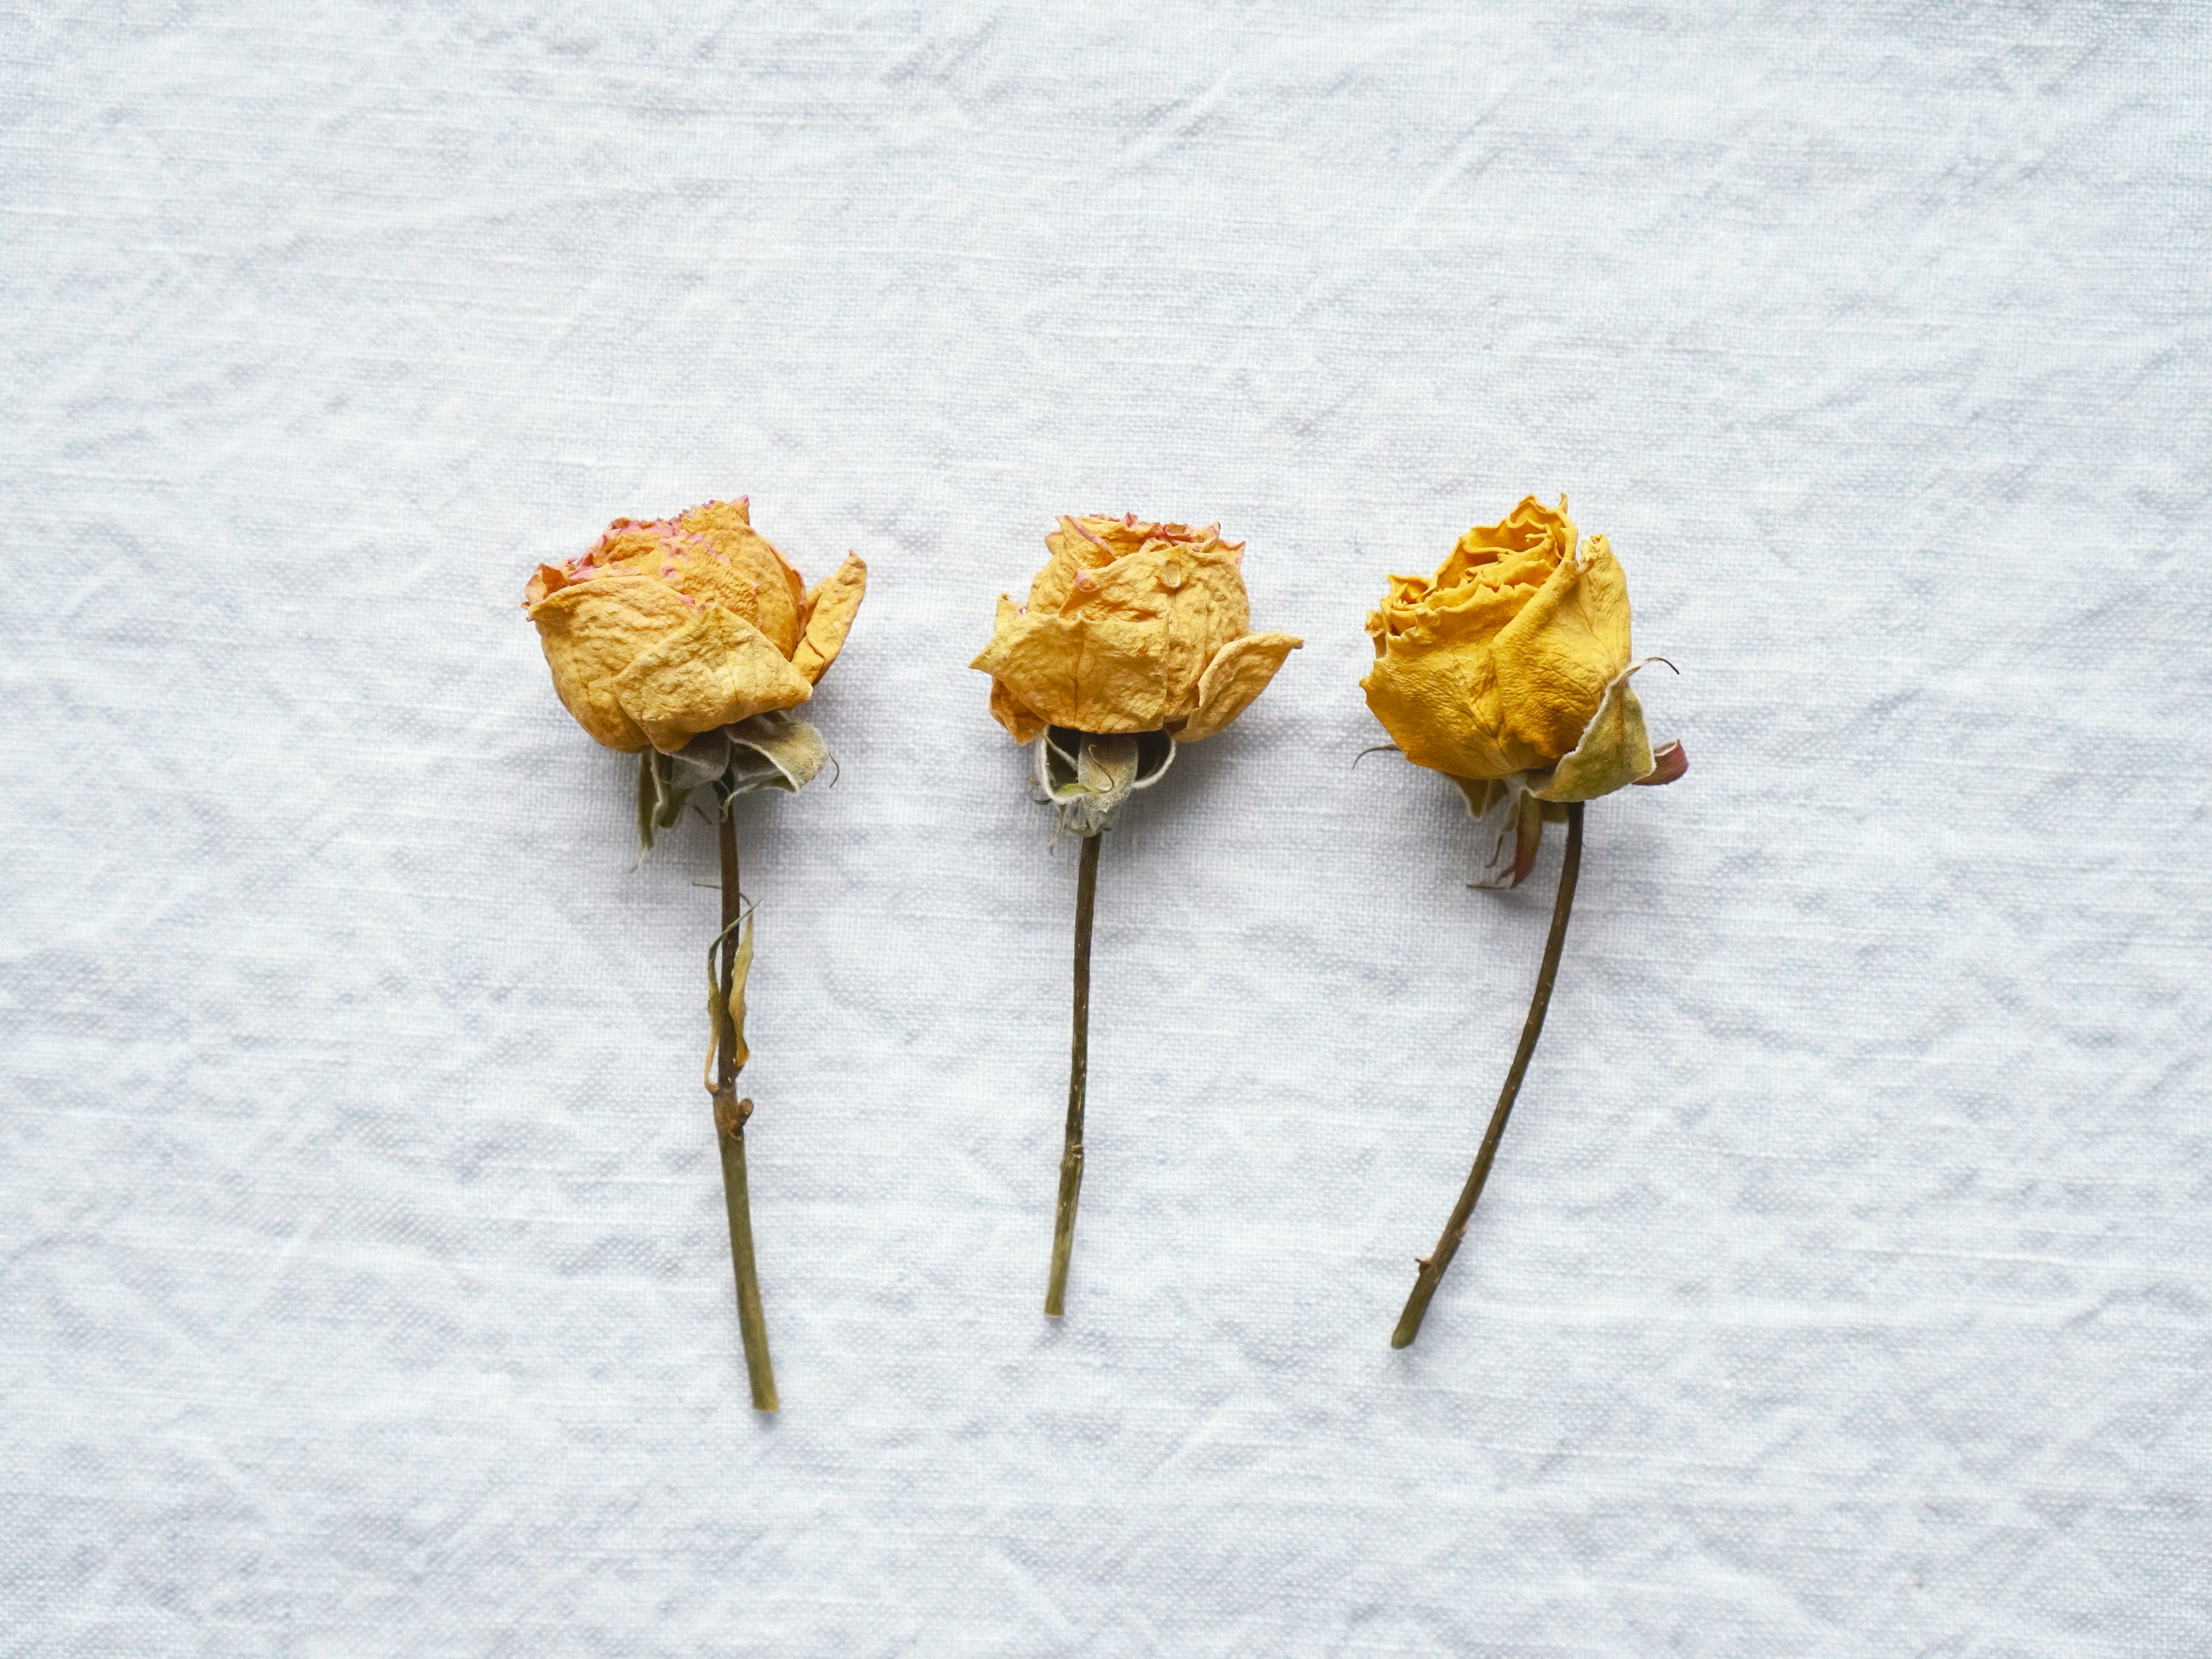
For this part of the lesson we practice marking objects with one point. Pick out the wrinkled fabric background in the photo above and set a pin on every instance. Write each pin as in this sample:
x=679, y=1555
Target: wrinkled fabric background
x=1843, y=1285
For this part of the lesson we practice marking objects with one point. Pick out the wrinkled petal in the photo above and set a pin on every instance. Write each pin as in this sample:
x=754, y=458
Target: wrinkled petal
x=1121, y=628
x=593, y=630
x=1441, y=706
x=1614, y=750
x=631, y=627
x=1555, y=660
x=720, y=669
x=1240, y=672
x=830, y=608
x=1498, y=664
x=1024, y=723
x=714, y=554
x=1090, y=676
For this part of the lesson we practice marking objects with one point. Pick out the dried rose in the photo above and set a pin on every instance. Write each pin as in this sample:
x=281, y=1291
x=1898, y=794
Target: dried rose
x=672, y=627
x=1508, y=670
x=1130, y=626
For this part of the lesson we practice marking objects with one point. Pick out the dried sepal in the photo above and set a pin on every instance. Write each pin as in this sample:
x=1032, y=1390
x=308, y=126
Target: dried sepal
x=771, y=750
x=1088, y=776
x=725, y=1009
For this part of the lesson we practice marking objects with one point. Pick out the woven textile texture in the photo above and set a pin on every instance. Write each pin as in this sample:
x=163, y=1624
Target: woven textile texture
x=1844, y=1287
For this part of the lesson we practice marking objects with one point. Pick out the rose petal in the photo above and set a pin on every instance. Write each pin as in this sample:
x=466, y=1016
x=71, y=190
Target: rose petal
x=1556, y=658
x=592, y=632
x=1240, y=672
x=1614, y=750
x=1441, y=706
x=720, y=669
x=1088, y=674
x=830, y=608
x=1026, y=725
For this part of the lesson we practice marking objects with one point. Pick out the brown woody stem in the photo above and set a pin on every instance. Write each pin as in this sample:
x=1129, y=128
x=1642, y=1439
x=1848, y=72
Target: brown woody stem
x=1432, y=1267
x=730, y=1116
x=1070, y=1163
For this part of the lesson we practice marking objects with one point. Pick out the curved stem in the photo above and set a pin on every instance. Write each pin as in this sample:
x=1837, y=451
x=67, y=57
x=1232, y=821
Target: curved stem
x=1432, y=1267
x=730, y=1116
x=1071, y=1162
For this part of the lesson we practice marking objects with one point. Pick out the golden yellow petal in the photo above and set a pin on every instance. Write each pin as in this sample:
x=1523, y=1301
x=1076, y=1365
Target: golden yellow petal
x=1440, y=708
x=829, y=608
x=1240, y=672
x=1471, y=613
x=592, y=631
x=1555, y=660
x=1003, y=627
x=1026, y=724
x=1530, y=526
x=720, y=669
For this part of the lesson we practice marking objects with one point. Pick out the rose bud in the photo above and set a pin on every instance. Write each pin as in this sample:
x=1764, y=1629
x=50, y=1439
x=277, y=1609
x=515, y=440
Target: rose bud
x=1508, y=670
x=673, y=626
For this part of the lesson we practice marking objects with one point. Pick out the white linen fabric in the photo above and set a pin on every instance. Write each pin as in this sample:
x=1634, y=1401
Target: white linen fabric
x=1842, y=1287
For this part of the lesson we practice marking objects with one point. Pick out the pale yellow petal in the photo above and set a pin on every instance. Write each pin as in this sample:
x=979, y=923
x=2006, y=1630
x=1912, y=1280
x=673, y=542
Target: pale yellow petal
x=1240, y=672
x=720, y=669
x=592, y=631
x=1072, y=552
x=1094, y=676
x=830, y=608
x=720, y=559
x=1615, y=750
x=1003, y=627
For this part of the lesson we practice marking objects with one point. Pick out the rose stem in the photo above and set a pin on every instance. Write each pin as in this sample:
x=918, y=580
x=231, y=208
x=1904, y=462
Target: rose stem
x=730, y=1116
x=1432, y=1267
x=1070, y=1163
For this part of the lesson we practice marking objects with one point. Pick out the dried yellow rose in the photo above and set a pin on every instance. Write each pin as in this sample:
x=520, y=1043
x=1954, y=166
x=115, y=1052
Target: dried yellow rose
x=1130, y=626
x=672, y=627
x=1509, y=671
x=1500, y=664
